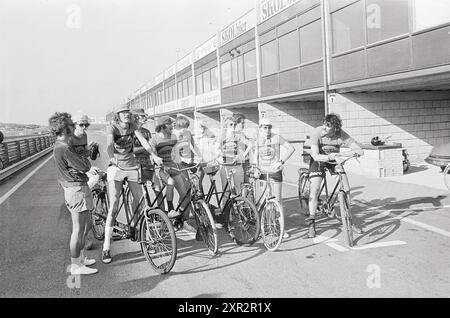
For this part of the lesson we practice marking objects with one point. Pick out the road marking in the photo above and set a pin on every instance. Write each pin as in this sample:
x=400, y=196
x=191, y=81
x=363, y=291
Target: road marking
x=185, y=235
x=378, y=244
x=321, y=238
x=337, y=247
x=17, y=186
x=329, y=241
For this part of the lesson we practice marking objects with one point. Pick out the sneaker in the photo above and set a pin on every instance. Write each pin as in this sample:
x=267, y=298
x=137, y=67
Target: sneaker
x=88, y=261
x=106, y=257
x=189, y=228
x=173, y=214
x=89, y=244
x=82, y=270
x=286, y=235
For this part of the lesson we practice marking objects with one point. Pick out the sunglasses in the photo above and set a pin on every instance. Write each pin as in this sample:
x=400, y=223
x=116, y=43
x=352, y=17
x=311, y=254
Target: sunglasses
x=84, y=125
x=231, y=125
x=266, y=127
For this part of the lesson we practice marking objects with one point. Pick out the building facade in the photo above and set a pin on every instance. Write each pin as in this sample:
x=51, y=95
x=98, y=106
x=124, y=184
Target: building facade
x=382, y=65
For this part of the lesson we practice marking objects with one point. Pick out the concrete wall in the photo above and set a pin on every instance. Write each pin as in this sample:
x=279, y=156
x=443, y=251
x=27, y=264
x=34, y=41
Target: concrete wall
x=418, y=120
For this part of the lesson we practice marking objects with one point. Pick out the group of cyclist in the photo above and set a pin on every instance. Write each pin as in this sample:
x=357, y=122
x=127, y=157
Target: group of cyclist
x=136, y=154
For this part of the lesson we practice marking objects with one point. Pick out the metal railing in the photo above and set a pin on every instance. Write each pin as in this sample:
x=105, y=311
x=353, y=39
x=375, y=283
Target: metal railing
x=24, y=150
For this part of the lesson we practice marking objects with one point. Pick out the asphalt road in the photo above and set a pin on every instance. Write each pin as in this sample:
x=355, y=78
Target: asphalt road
x=403, y=253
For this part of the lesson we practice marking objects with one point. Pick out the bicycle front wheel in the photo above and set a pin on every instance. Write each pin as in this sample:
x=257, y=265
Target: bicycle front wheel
x=99, y=214
x=207, y=226
x=303, y=190
x=272, y=225
x=344, y=204
x=158, y=240
x=447, y=176
x=243, y=221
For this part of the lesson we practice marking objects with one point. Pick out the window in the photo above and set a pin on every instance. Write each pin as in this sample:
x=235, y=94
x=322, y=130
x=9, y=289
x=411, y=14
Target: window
x=199, y=84
x=226, y=74
x=240, y=68
x=180, y=89
x=190, y=86
x=430, y=13
x=269, y=58
x=347, y=25
x=214, y=79
x=250, y=65
x=206, y=82
x=311, y=42
x=185, y=88
x=386, y=19
x=289, y=50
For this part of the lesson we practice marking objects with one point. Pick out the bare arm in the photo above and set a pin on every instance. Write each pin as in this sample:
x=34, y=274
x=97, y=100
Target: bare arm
x=76, y=161
x=290, y=150
x=146, y=145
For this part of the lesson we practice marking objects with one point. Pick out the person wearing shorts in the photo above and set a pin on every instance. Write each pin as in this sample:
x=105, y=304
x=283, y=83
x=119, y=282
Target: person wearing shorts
x=71, y=174
x=326, y=141
x=143, y=157
x=271, y=158
x=79, y=142
x=164, y=142
x=123, y=165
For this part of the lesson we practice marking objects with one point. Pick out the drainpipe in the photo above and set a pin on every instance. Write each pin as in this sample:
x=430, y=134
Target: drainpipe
x=325, y=49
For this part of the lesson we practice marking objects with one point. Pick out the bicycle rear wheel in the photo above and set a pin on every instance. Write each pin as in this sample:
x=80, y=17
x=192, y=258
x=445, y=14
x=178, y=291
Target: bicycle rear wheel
x=158, y=240
x=99, y=214
x=346, y=219
x=243, y=221
x=272, y=225
x=303, y=190
x=206, y=226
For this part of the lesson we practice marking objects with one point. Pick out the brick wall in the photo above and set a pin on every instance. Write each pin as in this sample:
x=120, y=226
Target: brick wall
x=418, y=120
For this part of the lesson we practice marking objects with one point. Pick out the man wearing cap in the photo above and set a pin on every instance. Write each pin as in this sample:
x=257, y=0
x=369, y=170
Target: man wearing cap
x=164, y=142
x=143, y=157
x=123, y=164
x=272, y=152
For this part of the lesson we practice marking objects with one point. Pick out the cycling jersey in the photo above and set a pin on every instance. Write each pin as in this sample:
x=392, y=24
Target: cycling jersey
x=142, y=156
x=124, y=145
x=182, y=150
x=269, y=154
x=327, y=145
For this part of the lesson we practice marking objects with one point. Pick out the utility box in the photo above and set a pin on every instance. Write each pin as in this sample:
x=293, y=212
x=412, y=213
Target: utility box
x=378, y=161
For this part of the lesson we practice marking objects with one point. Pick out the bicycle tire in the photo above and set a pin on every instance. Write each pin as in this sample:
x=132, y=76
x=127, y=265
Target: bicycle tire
x=272, y=225
x=447, y=176
x=99, y=214
x=242, y=221
x=207, y=227
x=345, y=217
x=304, y=191
x=157, y=239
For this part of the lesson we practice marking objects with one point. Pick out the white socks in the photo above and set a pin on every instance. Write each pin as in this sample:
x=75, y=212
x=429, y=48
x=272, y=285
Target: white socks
x=108, y=234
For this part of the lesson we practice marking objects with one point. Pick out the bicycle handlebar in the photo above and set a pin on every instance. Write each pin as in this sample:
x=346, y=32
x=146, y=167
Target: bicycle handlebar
x=355, y=156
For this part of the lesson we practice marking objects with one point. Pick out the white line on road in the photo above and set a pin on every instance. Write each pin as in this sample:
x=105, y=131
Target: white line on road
x=337, y=247
x=17, y=186
x=378, y=244
x=320, y=239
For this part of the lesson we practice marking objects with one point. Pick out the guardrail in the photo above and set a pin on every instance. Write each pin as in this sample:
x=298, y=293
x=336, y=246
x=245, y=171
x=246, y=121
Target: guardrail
x=16, y=154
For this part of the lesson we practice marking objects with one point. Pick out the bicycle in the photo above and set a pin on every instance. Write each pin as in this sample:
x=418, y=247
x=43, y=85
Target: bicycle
x=270, y=210
x=327, y=206
x=202, y=214
x=152, y=228
x=240, y=215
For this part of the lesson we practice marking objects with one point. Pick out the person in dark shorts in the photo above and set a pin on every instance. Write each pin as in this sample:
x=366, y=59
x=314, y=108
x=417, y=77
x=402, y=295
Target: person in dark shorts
x=326, y=141
x=143, y=157
x=272, y=153
x=71, y=174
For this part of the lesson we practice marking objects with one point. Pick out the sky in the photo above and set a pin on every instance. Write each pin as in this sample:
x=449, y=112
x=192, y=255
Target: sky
x=87, y=56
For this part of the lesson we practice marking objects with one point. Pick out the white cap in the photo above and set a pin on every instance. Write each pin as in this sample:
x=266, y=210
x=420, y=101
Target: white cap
x=265, y=122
